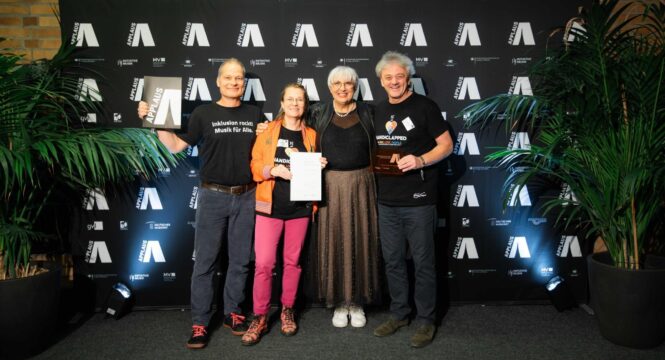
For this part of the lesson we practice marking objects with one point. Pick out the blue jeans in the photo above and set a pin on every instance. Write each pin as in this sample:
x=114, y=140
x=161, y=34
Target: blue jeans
x=218, y=213
x=412, y=225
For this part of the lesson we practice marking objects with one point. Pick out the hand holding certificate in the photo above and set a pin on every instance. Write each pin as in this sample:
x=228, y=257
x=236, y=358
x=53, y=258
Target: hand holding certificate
x=306, y=176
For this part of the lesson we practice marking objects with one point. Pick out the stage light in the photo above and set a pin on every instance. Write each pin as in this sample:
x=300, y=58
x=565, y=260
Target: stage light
x=559, y=294
x=119, y=301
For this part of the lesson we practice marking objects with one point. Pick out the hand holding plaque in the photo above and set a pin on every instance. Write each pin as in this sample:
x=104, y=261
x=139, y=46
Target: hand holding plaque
x=163, y=96
x=385, y=161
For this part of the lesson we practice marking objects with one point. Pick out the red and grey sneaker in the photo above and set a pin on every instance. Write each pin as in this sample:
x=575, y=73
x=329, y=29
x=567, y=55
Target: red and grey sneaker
x=257, y=328
x=236, y=322
x=199, y=338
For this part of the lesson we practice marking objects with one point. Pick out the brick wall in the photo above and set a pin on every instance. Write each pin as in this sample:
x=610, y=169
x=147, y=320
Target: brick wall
x=30, y=27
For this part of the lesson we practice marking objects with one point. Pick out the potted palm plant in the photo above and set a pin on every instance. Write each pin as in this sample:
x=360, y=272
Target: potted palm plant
x=45, y=152
x=598, y=116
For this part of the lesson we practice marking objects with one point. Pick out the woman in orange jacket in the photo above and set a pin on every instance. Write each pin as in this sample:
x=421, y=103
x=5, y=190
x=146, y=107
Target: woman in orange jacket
x=275, y=212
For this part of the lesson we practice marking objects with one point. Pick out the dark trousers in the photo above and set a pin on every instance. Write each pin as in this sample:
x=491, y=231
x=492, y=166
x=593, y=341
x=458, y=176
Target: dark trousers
x=413, y=226
x=218, y=213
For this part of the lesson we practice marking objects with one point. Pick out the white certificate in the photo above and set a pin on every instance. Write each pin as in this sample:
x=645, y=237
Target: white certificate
x=305, y=176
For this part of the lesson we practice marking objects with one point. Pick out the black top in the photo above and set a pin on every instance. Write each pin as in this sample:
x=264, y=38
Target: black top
x=225, y=136
x=409, y=127
x=346, y=144
x=282, y=206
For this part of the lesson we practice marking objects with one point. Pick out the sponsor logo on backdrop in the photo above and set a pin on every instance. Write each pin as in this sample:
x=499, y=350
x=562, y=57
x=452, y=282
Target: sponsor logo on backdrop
x=465, y=246
x=84, y=35
x=137, y=89
x=417, y=86
x=139, y=33
x=117, y=118
x=192, y=151
x=480, y=271
x=259, y=62
x=522, y=197
x=546, y=271
x=482, y=59
x=466, y=222
x=192, y=173
x=89, y=60
x=413, y=33
x=521, y=34
x=346, y=61
x=148, y=197
x=465, y=194
x=194, y=199
x=216, y=62
x=304, y=34
x=363, y=90
x=96, y=226
x=517, y=272
x=569, y=245
x=90, y=118
x=153, y=225
x=359, y=33
x=97, y=250
x=88, y=89
x=519, y=140
x=187, y=63
x=450, y=63
x=575, y=28
x=310, y=86
x=499, y=222
x=421, y=61
x=253, y=88
x=467, y=33
x=517, y=247
x=197, y=88
x=95, y=198
x=158, y=62
x=481, y=168
x=138, y=277
x=169, y=276
x=319, y=64
x=195, y=33
x=123, y=225
x=151, y=250
x=520, y=85
x=466, y=141
x=521, y=60
x=250, y=33
x=290, y=62
x=567, y=194
x=126, y=62
x=537, y=220
x=466, y=86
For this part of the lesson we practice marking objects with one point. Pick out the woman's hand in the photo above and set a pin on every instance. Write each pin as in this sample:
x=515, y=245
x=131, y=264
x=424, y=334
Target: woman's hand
x=280, y=171
x=324, y=162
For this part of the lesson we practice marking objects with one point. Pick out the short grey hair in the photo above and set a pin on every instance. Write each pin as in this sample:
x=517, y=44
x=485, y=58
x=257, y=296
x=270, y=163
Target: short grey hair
x=230, y=61
x=344, y=72
x=393, y=57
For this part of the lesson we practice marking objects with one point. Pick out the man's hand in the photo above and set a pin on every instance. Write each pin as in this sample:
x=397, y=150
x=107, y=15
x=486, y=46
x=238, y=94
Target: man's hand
x=261, y=127
x=142, y=110
x=409, y=162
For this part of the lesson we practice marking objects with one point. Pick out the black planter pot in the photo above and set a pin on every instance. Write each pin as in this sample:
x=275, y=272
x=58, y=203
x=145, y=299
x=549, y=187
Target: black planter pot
x=29, y=312
x=629, y=304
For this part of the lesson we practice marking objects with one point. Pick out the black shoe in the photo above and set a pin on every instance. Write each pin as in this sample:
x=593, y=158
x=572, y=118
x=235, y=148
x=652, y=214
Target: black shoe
x=199, y=338
x=237, y=323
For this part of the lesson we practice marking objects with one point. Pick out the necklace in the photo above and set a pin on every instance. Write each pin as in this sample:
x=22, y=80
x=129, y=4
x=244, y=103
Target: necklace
x=343, y=115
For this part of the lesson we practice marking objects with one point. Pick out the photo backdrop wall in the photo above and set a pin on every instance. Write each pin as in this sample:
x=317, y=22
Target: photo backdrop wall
x=463, y=51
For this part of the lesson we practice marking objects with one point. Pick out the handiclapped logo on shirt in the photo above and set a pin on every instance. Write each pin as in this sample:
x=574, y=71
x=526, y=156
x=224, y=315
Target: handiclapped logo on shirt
x=391, y=125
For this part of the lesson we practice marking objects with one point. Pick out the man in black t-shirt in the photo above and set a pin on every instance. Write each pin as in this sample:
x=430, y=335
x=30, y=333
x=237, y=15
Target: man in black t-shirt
x=409, y=126
x=224, y=132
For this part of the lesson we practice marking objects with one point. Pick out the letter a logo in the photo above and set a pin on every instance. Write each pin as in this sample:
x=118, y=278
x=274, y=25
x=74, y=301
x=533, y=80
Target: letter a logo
x=468, y=87
x=169, y=103
x=468, y=247
x=84, y=32
x=520, y=140
x=310, y=86
x=523, y=34
x=569, y=245
x=250, y=33
x=417, y=86
x=519, y=247
x=467, y=141
x=197, y=33
x=522, y=85
x=142, y=34
x=360, y=32
x=413, y=33
x=97, y=250
x=199, y=90
x=466, y=194
x=522, y=197
x=470, y=33
x=305, y=34
x=254, y=88
x=88, y=89
x=152, y=250
x=363, y=90
x=95, y=197
x=150, y=197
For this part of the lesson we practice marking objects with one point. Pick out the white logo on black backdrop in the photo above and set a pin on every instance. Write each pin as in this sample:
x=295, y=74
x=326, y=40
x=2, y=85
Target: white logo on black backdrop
x=194, y=199
x=363, y=90
x=150, y=249
x=310, y=86
x=466, y=141
x=467, y=32
x=517, y=245
x=567, y=194
x=84, y=33
x=254, y=88
x=576, y=27
x=465, y=194
x=519, y=140
x=467, y=86
x=304, y=33
x=192, y=151
x=197, y=88
x=521, y=33
x=96, y=226
x=137, y=89
x=148, y=196
x=417, y=86
x=195, y=32
x=89, y=118
x=139, y=33
x=250, y=33
x=522, y=196
x=520, y=85
x=569, y=245
x=413, y=32
x=95, y=197
x=88, y=89
x=465, y=246
x=97, y=250
x=359, y=32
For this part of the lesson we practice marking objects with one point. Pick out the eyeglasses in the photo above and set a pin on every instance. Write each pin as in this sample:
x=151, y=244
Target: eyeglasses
x=338, y=84
x=294, y=100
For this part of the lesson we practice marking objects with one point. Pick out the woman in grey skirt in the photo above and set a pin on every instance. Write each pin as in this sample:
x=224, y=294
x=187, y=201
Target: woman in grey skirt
x=347, y=247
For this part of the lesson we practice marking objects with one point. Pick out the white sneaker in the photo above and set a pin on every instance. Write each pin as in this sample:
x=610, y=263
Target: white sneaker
x=341, y=317
x=357, y=316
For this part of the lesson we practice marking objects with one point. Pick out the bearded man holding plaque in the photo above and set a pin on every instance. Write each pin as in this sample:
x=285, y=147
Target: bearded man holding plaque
x=411, y=137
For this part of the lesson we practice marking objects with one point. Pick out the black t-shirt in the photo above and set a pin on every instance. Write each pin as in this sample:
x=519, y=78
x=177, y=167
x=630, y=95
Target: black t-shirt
x=409, y=127
x=282, y=207
x=225, y=136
